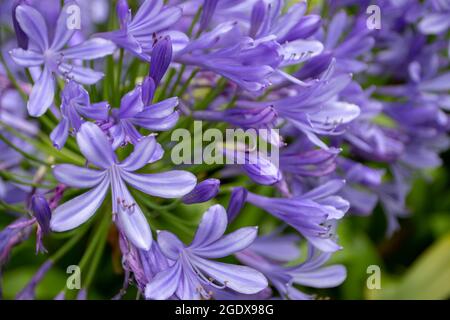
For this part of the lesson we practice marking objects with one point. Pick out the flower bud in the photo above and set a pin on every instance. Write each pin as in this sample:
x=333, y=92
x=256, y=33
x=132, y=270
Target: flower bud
x=202, y=192
x=41, y=211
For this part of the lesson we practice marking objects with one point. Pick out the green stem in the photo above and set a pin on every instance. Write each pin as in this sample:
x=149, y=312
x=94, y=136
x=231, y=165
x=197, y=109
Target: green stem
x=8, y=176
x=13, y=208
x=177, y=81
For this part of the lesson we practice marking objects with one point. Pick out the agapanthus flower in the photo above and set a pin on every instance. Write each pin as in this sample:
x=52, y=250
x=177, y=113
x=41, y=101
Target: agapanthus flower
x=310, y=213
x=133, y=112
x=192, y=270
x=75, y=106
x=225, y=51
x=52, y=56
x=138, y=33
x=112, y=174
x=273, y=252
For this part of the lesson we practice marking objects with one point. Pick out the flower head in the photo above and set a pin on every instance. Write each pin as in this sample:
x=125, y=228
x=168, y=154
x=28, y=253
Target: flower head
x=192, y=272
x=112, y=174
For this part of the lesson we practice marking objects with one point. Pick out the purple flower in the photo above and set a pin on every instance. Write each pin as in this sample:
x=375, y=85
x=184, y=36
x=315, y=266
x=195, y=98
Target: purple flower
x=52, y=56
x=311, y=213
x=204, y=191
x=225, y=51
x=137, y=34
x=75, y=105
x=192, y=272
x=133, y=112
x=310, y=273
x=94, y=145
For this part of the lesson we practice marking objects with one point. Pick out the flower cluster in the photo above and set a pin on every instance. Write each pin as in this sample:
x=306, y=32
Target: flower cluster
x=89, y=99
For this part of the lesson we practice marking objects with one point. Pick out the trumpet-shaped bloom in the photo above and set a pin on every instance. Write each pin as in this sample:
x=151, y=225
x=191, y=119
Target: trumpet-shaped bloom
x=309, y=213
x=137, y=34
x=191, y=272
x=52, y=56
x=114, y=175
x=75, y=106
x=310, y=273
x=133, y=112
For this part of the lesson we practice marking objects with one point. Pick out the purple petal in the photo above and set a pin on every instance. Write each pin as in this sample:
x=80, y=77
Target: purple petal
x=77, y=177
x=239, y=278
x=91, y=49
x=42, y=94
x=164, y=284
x=237, y=201
x=26, y=58
x=204, y=191
x=63, y=33
x=131, y=103
x=327, y=277
x=161, y=58
x=229, y=244
x=80, y=74
x=212, y=226
x=135, y=225
x=78, y=210
x=33, y=24
x=170, y=245
x=170, y=184
x=97, y=111
x=144, y=152
x=94, y=145
x=60, y=133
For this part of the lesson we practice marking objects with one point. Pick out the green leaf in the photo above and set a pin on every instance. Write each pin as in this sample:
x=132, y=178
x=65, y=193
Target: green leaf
x=428, y=278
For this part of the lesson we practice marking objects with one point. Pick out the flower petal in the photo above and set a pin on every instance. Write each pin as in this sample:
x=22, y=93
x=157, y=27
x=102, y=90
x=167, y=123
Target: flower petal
x=164, y=284
x=26, y=58
x=62, y=32
x=212, y=227
x=229, y=244
x=78, y=210
x=135, y=226
x=327, y=277
x=131, y=103
x=33, y=24
x=77, y=177
x=238, y=278
x=42, y=94
x=80, y=74
x=170, y=245
x=91, y=49
x=170, y=184
x=144, y=152
x=60, y=133
x=94, y=145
